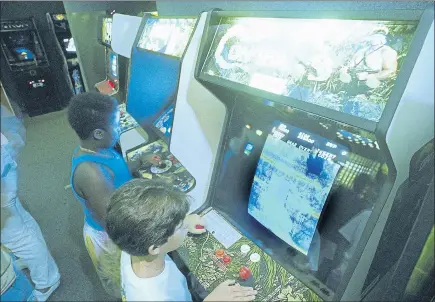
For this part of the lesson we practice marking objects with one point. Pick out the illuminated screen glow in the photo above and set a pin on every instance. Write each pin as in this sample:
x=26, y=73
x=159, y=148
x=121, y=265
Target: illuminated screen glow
x=164, y=122
x=345, y=65
x=59, y=17
x=69, y=45
x=24, y=54
x=294, y=175
x=107, y=31
x=167, y=36
x=113, y=65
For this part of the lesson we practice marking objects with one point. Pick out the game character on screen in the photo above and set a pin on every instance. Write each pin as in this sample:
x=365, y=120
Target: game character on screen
x=370, y=65
x=97, y=171
x=148, y=219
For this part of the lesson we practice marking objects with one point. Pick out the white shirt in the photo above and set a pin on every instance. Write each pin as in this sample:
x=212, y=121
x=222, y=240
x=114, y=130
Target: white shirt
x=13, y=129
x=170, y=285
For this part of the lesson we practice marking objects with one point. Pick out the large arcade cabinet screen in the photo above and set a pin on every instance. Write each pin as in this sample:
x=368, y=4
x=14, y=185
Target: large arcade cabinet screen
x=294, y=176
x=167, y=36
x=345, y=65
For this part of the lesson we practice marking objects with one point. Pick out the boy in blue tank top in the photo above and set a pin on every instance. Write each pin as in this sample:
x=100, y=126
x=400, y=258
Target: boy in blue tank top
x=97, y=171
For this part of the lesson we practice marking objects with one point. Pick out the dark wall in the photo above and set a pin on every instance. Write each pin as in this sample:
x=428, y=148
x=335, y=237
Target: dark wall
x=83, y=19
x=25, y=9
x=38, y=10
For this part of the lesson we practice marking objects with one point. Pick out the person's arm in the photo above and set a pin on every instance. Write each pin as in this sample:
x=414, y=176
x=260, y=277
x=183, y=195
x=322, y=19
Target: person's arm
x=13, y=129
x=96, y=187
x=133, y=166
x=8, y=181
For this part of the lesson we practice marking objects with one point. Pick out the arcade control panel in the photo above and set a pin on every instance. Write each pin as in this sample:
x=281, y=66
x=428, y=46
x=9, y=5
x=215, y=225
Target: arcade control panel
x=159, y=163
x=223, y=253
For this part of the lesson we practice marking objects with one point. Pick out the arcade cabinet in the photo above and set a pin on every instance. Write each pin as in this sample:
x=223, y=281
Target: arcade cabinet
x=155, y=70
x=31, y=83
x=312, y=138
x=114, y=65
x=59, y=27
x=407, y=270
x=110, y=85
x=156, y=60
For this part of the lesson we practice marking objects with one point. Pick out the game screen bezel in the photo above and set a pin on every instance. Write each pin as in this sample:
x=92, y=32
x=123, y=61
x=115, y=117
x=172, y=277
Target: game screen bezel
x=367, y=104
x=148, y=27
x=309, y=151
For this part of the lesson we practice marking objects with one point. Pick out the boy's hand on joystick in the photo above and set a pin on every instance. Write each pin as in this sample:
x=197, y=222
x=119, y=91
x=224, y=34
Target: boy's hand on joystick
x=195, y=224
x=230, y=291
x=246, y=278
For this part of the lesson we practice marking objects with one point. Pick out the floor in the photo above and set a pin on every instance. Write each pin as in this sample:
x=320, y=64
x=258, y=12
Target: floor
x=44, y=171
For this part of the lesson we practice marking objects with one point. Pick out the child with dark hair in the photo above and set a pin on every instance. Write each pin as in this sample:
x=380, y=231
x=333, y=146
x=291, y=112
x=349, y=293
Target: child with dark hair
x=147, y=219
x=97, y=171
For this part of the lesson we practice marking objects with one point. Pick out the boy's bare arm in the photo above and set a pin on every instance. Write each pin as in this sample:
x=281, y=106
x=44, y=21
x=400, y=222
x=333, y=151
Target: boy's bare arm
x=97, y=187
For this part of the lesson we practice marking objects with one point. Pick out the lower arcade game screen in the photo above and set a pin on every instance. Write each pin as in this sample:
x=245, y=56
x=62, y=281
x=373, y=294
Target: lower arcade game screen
x=113, y=64
x=294, y=176
x=22, y=45
x=164, y=122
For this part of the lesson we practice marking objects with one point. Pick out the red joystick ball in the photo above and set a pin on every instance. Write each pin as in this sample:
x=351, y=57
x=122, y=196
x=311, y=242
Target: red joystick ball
x=199, y=227
x=226, y=259
x=244, y=273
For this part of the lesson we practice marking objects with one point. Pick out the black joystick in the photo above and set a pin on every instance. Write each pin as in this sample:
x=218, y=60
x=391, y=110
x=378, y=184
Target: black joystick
x=161, y=165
